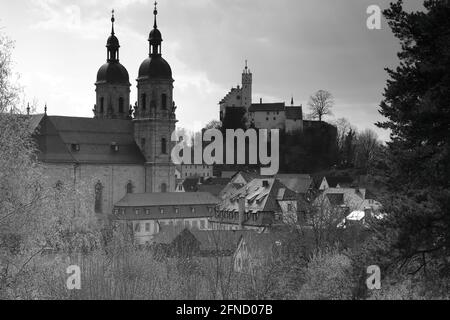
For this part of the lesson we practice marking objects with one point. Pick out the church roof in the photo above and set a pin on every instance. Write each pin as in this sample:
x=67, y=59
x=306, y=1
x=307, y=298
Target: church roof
x=164, y=199
x=58, y=139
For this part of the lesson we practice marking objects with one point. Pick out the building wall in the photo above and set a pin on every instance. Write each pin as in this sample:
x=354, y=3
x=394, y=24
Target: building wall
x=196, y=170
x=293, y=125
x=268, y=120
x=114, y=179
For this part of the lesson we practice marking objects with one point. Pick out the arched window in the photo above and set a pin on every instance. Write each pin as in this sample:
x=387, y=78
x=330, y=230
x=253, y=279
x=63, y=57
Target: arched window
x=129, y=187
x=144, y=101
x=121, y=103
x=153, y=106
x=98, y=197
x=102, y=105
x=164, y=102
x=164, y=188
x=163, y=146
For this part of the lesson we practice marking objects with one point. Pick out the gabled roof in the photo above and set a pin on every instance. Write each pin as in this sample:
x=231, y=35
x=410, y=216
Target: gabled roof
x=214, y=189
x=209, y=240
x=299, y=183
x=167, y=199
x=267, y=107
x=258, y=197
x=336, y=199
x=342, y=181
x=56, y=135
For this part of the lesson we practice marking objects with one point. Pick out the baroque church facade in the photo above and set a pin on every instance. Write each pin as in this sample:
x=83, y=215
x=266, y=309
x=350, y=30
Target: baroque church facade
x=123, y=149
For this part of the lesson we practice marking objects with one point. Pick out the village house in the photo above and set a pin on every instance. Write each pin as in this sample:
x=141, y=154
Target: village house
x=147, y=213
x=258, y=205
x=176, y=241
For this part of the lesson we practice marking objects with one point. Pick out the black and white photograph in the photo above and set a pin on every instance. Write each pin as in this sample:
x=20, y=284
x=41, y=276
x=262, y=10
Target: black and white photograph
x=224, y=154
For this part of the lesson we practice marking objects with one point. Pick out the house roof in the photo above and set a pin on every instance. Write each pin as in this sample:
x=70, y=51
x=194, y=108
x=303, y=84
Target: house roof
x=258, y=197
x=209, y=240
x=217, y=181
x=214, y=189
x=167, y=199
x=336, y=199
x=333, y=182
x=267, y=107
x=191, y=184
x=167, y=234
x=228, y=174
x=94, y=137
x=299, y=183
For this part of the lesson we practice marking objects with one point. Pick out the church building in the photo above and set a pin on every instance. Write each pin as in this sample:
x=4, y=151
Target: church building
x=122, y=149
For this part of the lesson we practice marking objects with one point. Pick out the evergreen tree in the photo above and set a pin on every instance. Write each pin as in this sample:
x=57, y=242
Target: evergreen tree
x=417, y=110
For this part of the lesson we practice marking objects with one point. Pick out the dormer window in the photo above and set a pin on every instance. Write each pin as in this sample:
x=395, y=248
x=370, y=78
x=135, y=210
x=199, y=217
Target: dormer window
x=75, y=147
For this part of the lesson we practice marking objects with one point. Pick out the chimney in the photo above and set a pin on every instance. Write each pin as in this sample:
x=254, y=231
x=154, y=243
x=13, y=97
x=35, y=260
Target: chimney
x=260, y=100
x=241, y=212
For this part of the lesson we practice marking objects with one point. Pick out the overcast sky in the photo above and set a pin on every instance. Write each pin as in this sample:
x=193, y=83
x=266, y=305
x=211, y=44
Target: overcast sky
x=293, y=48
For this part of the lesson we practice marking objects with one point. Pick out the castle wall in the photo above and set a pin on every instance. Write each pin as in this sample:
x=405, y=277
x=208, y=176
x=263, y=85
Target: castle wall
x=269, y=120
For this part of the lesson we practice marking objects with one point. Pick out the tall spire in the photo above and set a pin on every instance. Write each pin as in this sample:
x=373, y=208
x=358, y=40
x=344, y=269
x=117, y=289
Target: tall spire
x=155, y=13
x=113, y=43
x=155, y=37
x=112, y=22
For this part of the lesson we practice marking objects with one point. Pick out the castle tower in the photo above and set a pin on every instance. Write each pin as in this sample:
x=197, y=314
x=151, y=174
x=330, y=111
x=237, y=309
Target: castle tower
x=246, y=87
x=154, y=116
x=113, y=83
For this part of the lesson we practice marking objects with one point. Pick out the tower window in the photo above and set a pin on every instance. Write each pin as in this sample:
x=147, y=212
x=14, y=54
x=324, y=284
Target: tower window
x=143, y=143
x=144, y=101
x=129, y=187
x=163, y=146
x=121, y=103
x=102, y=105
x=98, y=197
x=164, y=188
x=164, y=102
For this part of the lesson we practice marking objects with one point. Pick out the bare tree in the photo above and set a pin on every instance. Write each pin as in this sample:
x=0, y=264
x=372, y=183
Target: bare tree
x=367, y=144
x=321, y=104
x=343, y=126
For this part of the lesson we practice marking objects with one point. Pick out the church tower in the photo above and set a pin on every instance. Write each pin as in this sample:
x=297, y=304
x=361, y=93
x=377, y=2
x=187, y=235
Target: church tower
x=154, y=116
x=246, y=87
x=113, y=84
